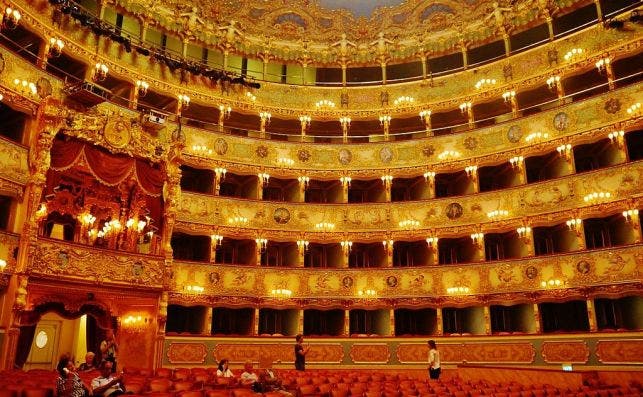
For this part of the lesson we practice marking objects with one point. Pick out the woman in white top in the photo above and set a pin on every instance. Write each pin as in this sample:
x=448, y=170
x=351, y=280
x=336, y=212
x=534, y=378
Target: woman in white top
x=434, y=361
x=223, y=371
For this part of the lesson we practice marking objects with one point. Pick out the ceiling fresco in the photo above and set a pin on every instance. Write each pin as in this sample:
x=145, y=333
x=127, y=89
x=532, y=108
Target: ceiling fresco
x=343, y=31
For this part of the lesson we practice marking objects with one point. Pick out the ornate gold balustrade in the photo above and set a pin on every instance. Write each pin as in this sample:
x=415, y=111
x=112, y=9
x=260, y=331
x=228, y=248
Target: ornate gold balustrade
x=605, y=272
x=8, y=247
x=407, y=352
x=540, y=203
x=59, y=260
x=13, y=168
x=575, y=123
x=364, y=102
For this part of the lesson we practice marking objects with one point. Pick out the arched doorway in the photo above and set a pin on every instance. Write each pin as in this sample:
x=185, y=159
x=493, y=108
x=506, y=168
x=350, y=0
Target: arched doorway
x=52, y=329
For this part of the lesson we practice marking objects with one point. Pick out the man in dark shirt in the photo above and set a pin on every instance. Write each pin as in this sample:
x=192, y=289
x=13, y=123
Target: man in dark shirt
x=300, y=353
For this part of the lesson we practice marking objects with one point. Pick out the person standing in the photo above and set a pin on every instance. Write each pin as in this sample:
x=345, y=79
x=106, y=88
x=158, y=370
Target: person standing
x=300, y=353
x=109, y=349
x=434, y=360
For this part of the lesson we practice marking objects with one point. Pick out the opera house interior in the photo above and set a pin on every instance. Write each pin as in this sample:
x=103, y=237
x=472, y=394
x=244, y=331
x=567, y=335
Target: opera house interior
x=209, y=179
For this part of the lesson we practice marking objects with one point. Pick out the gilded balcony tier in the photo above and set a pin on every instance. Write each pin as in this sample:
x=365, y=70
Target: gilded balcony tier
x=13, y=168
x=521, y=70
x=59, y=260
x=542, y=203
x=605, y=272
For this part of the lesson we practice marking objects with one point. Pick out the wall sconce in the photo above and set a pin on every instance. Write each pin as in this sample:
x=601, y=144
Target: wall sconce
x=265, y=117
x=285, y=162
x=302, y=245
x=11, y=18
x=573, y=53
x=346, y=246
x=263, y=177
x=345, y=121
x=42, y=211
x=477, y=239
x=305, y=120
x=424, y=114
x=367, y=293
x=551, y=283
x=553, y=82
x=387, y=179
x=388, y=246
x=631, y=216
x=100, y=72
x=304, y=180
x=220, y=172
x=55, y=47
x=216, y=240
x=184, y=101
x=508, y=96
x=565, y=151
x=409, y=224
x=516, y=162
x=432, y=242
x=251, y=96
x=142, y=87
x=403, y=100
x=616, y=137
x=194, y=289
x=238, y=220
x=345, y=181
x=325, y=226
x=3, y=265
x=449, y=155
x=635, y=109
x=574, y=224
x=465, y=107
x=25, y=87
x=429, y=176
x=201, y=150
x=135, y=323
x=471, y=170
x=458, y=290
x=536, y=137
x=325, y=103
x=225, y=111
x=385, y=119
x=496, y=214
x=602, y=64
x=262, y=243
x=596, y=196
x=87, y=219
x=281, y=293
x=524, y=232
x=484, y=83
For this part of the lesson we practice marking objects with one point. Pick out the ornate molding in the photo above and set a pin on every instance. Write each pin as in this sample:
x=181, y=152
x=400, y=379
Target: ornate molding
x=568, y=351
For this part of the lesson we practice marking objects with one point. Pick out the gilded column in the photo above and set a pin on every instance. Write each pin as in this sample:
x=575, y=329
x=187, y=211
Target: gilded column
x=347, y=322
x=487, y=320
x=439, y=324
x=537, y=320
x=255, y=322
x=207, y=323
x=160, y=332
x=591, y=315
x=391, y=322
x=300, y=321
x=49, y=117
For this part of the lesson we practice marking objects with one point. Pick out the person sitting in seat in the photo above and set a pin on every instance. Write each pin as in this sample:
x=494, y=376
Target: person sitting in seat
x=223, y=371
x=108, y=384
x=88, y=365
x=69, y=383
x=249, y=377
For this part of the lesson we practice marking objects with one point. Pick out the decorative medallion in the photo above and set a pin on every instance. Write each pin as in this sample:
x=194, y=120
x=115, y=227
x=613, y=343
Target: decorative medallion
x=514, y=133
x=561, y=121
x=453, y=211
x=43, y=87
x=303, y=155
x=583, y=267
x=262, y=151
x=531, y=272
x=345, y=156
x=214, y=278
x=386, y=155
x=281, y=215
x=63, y=259
x=221, y=146
x=471, y=142
x=138, y=268
x=391, y=281
x=428, y=150
x=347, y=282
x=117, y=132
x=613, y=105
